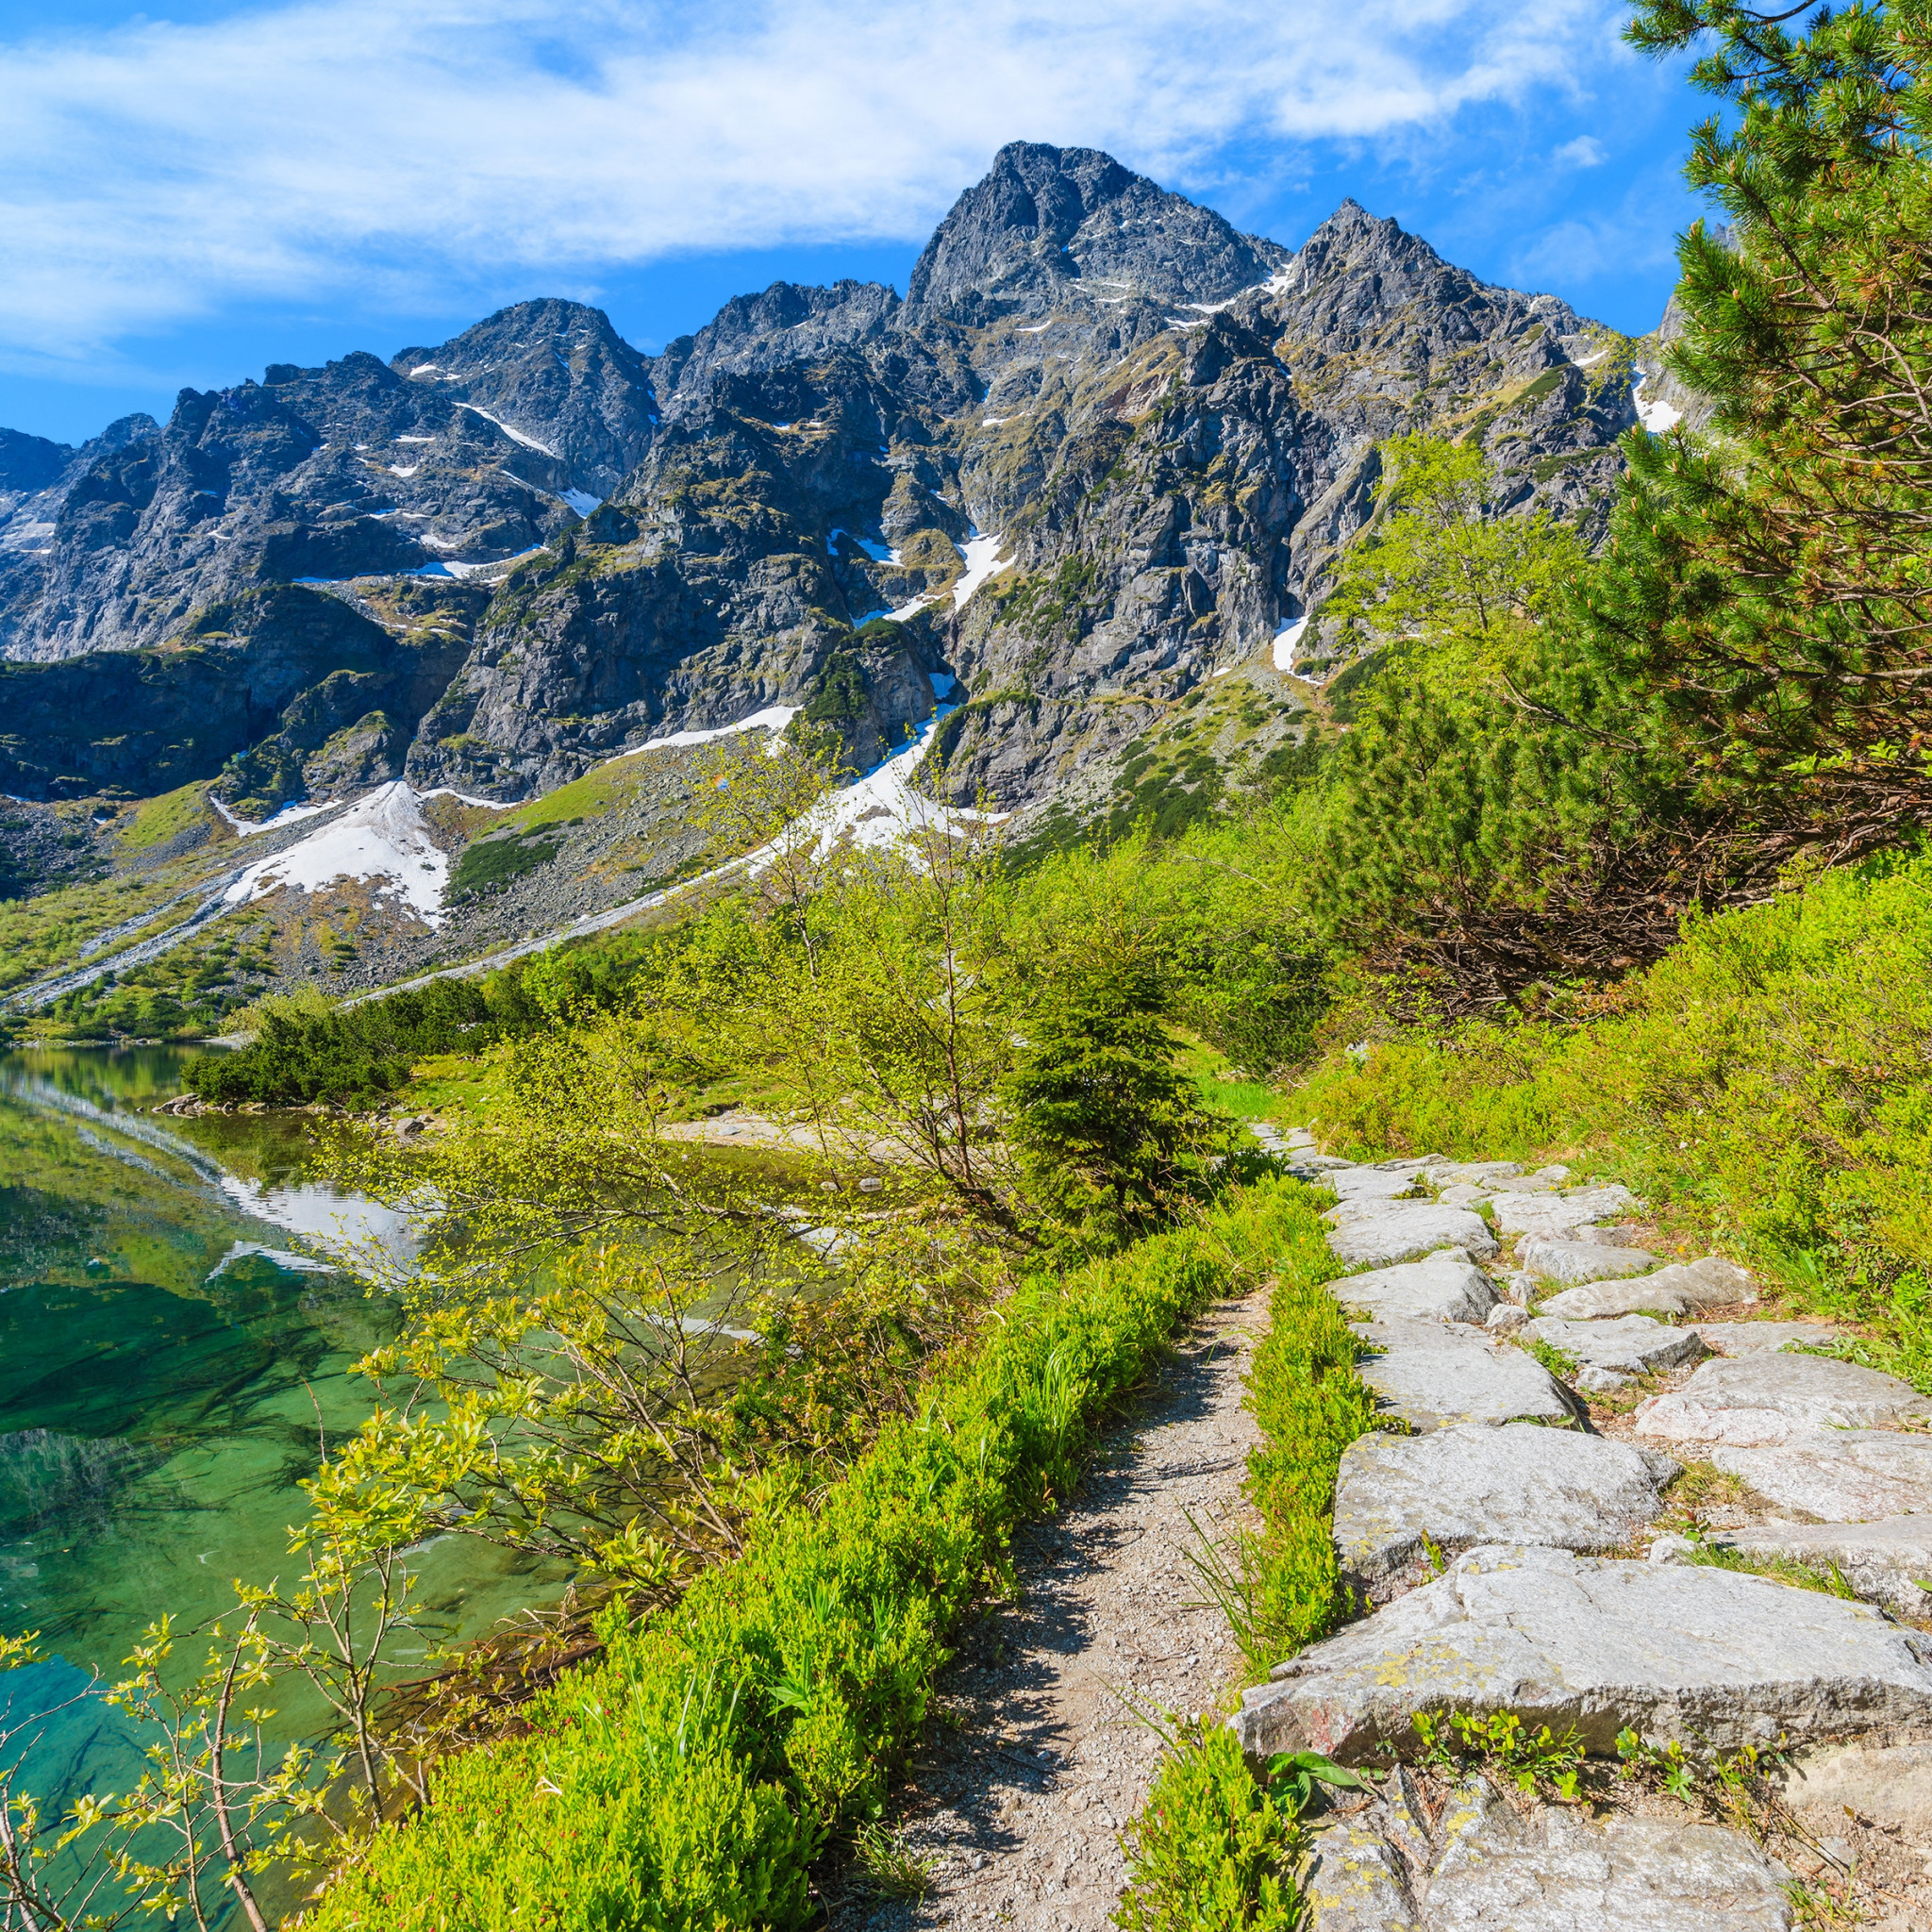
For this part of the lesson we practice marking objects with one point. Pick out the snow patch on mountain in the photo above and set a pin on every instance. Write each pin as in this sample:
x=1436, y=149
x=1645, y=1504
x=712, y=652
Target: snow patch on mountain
x=385, y=837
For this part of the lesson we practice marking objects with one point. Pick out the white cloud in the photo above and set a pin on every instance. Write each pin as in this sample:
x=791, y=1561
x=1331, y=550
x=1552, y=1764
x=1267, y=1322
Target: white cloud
x=1586, y=151
x=157, y=171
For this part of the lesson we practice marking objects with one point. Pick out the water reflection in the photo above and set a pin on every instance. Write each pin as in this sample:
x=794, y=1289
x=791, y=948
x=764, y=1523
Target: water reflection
x=177, y=1329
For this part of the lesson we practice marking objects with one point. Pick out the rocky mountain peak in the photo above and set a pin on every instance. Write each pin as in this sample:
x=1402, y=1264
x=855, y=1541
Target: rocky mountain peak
x=1047, y=218
x=784, y=324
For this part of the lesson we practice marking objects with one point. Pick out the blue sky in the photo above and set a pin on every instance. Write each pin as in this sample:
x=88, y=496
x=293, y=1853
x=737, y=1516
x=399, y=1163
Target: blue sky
x=199, y=189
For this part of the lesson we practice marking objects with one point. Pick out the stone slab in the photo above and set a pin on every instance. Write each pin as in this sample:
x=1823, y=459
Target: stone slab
x=1432, y=1375
x=1560, y=1216
x=1761, y=1338
x=1757, y=1399
x=1686, y=1288
x=1481, y=1174
x=1578, y=1261
x=1375, y=1234
x=1670, y=1650
x=1842, y=1476
x=1883, y=1562
x=1554, y=1869
x=1890, y=1783
x=1470, y=1484
x=1462, y=1194
x=1371, y=1183
x=1444, y=1287
x=1631, y=1345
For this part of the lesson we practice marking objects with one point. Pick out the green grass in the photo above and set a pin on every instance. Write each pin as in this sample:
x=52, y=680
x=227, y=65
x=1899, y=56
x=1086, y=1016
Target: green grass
x=692, y=1778
x=1214, y=1847
x=160, y=819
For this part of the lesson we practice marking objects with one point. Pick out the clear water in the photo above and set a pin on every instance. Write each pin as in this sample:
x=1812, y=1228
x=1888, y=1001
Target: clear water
x=176, y=1339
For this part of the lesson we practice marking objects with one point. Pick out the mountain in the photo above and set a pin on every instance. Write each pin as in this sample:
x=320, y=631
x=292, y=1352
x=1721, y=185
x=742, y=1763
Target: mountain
x=1096, y=461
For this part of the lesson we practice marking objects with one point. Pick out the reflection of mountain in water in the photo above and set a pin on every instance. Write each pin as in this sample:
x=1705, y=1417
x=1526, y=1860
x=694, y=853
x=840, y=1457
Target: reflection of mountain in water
x=177, y=1333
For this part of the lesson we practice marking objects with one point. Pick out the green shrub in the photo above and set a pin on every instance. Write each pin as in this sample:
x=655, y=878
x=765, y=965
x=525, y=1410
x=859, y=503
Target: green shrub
x=1211, y=1849
x=810, y=1659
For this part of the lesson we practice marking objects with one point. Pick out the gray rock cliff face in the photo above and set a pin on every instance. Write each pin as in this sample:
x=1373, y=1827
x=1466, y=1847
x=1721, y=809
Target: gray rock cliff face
x=1158, y=428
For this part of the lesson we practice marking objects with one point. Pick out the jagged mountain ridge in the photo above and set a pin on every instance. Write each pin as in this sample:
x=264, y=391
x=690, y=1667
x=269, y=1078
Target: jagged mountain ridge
x=1167, y=425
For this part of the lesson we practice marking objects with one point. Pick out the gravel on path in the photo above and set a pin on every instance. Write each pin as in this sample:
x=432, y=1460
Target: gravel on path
x=1037, y=1761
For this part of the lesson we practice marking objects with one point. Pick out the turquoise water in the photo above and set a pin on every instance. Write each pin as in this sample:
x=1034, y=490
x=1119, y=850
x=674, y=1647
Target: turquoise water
x=177, y=1336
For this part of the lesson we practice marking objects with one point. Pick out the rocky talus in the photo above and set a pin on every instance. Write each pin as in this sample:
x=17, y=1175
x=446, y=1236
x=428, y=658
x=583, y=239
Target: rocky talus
x=1614, y=1479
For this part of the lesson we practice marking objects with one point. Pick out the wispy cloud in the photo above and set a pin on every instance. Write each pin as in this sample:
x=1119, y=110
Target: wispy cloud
x=156, y=171
x=1586, y=151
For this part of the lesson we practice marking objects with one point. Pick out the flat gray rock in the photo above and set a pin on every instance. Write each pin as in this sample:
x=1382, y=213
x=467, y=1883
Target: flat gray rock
x=1578, y=1261
x=1684, y=1289
x=1489, y=1866
x=1461, y=1195
x=1764, y=1337
x=1433, y=1376
x=1371, y=1183
x=1481, y=1174
x=1842, y=1476
x=1759, y=1399
x=1556, y=1870
x=1670, y=1650
x=1632, y=1345
x=1470, y=1484
x=1558, y=1217
x=1891, y=1783
x=1883, y=1562
x=1445, y=1287
x=1376, y=1234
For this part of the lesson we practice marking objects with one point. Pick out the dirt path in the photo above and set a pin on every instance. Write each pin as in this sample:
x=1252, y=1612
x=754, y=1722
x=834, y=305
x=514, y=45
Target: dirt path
x=1038, y=1763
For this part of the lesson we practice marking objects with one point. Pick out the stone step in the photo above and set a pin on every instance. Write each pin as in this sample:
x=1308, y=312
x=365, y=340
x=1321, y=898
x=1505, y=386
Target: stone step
x=1686, y=1288
x=1558, y=1217
x=1444, y=1287
x=1761, y=1338
x=1579, y=1262
x=1668, y=1650
x=1615, y=1351
x=1491, y=1864
x=1884, y=1561
x=1433, y=1374
x=1372, y=1183
x=1378, y=1234
x=1471, y=1484
x=1842, y=1476
x=1759, y=1399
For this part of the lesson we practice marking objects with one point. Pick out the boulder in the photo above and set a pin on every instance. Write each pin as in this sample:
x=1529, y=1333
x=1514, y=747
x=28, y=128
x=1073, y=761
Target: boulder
x=1883, y=1562
x=1376, y=1234
x=1462, y=1194
x=1432, y=1375
x=1634, y=1345
x=1759, y=1399
x=1468, y=1484
x=1670, y=1650
x=1505, y=1318
x=1682, y=1290
x=1843, y=1476
x=1445, y=1287
x=1578, y=1261
x=1760, y=1338
x=1558, y=1217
